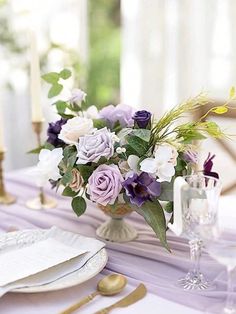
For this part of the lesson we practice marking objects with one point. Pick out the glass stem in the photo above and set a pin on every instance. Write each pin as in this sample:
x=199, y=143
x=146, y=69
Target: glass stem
x=230, y=300
x=195, y=254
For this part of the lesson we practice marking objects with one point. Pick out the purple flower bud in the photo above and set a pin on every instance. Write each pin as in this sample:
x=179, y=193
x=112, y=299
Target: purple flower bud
x=190, y=156
x=142, y=118
x=141, y=188
x=54, y=128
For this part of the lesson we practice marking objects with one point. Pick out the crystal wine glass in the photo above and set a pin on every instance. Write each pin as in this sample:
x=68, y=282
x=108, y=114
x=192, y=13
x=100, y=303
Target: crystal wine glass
x=199, y=200
x=222, y=248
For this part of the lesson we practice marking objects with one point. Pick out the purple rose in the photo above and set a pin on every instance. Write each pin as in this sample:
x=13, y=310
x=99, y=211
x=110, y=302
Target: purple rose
x=207, y=167
x=53, y=131
x=121, y=113
x=92, y=147
x=141, y=188
x=142, y=118
x=105, y=184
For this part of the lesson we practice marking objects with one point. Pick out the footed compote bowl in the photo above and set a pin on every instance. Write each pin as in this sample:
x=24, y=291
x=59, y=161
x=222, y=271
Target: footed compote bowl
x=116, y=229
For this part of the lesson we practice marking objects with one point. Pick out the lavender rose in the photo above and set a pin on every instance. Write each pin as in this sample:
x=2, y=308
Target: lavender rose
x=121, y=113
x=142, y=118
x=94, y=146
x=141, y=188
x=77, y=96
x=105, y=184
x=53, y=131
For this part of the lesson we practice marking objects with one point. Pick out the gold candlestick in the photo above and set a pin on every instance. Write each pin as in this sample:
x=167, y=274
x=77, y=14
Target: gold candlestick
x=5, y=198
x=41, y=201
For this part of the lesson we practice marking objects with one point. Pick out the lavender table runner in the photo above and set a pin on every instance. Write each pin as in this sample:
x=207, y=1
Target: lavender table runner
x=143, y=260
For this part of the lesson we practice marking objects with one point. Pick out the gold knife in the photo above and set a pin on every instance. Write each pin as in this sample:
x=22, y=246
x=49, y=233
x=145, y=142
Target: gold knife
x=131, y=298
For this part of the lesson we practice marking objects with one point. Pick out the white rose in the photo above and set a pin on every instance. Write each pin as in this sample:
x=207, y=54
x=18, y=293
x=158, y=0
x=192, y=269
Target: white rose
x=47, y=167
x=77, y=181
x=91, y=113
x=74, y=129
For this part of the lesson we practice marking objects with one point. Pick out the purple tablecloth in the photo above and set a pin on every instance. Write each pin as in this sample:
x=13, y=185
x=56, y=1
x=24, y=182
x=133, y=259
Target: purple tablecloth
x=141, y=260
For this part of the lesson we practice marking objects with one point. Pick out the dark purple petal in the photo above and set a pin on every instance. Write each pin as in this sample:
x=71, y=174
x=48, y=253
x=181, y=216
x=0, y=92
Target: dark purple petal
x=54, y=128
x=140, y=188
x=207, y=167
x=154, y=188
x=144, y=178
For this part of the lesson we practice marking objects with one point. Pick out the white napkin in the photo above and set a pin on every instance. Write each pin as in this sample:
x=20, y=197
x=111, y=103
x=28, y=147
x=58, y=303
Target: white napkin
x=72, y=245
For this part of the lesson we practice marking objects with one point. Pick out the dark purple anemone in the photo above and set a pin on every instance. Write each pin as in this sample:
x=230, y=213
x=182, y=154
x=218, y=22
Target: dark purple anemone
x=54, y=128
x=207, y=167
x=141, y=188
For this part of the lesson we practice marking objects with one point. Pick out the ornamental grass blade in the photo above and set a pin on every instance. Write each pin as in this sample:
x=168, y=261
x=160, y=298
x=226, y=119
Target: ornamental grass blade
x=154, y=215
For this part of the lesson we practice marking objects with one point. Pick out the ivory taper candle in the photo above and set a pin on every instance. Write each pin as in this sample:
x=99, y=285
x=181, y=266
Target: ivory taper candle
x=35, y=80
x=2, y=148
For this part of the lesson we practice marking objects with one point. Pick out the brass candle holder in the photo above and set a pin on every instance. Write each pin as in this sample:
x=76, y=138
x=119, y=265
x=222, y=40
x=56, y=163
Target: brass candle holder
x=41, y=201
x=5, y=197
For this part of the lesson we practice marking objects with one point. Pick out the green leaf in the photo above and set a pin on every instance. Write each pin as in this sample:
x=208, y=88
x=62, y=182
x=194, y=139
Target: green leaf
x=68, y=151
x=72, y=159
x=166, y=191
x=65, y=74
x=68, y=192
x=67, y=177
x=55, y=90
x=51, y=77
x=79, y=205
x=169, y=207
x=143, y=134
x=61, y=106
x=49, y=146
x=99, y=123
x=139, y=145
x=66, y=116
x=85, y=171
x=36, y=150
x=154, y=216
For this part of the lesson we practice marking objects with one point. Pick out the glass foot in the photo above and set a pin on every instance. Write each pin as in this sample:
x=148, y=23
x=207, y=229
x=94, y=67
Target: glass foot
x=194, y=281
x=220, y=309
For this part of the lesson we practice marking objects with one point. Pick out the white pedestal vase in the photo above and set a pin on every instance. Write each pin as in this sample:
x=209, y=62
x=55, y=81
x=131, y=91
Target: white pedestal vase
x=116, y=229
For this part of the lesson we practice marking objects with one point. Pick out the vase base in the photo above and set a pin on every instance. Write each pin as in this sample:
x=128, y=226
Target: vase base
x=116, y=230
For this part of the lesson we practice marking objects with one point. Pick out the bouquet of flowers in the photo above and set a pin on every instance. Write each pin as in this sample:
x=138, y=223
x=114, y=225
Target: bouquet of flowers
x=119, y=155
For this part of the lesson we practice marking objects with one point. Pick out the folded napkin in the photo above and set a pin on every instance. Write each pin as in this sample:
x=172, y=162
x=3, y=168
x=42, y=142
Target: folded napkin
x=56, y=254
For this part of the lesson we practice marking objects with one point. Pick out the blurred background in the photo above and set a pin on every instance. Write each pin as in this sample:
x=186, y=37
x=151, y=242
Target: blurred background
x=150, y=54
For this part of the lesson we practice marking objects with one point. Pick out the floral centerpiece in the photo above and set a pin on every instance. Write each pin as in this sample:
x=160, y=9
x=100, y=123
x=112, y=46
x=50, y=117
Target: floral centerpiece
x=122, y=159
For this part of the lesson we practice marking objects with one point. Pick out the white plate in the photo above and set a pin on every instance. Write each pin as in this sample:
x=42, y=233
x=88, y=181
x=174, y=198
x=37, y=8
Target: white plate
x=92, y=267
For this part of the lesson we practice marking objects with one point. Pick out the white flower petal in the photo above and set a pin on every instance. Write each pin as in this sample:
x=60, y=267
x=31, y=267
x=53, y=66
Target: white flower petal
x=149, y=165
x=163, y=153
x=166, y=172
x=47, y=167
x=133, y=162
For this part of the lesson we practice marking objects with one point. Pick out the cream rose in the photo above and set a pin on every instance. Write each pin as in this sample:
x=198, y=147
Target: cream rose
x=77, y=181
x=74, y=129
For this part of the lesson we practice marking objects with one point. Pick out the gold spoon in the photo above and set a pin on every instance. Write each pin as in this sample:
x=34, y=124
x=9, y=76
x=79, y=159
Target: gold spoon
x=109, y=285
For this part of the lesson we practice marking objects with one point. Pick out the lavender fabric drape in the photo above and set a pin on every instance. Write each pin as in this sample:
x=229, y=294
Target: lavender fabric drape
x=141, y=260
